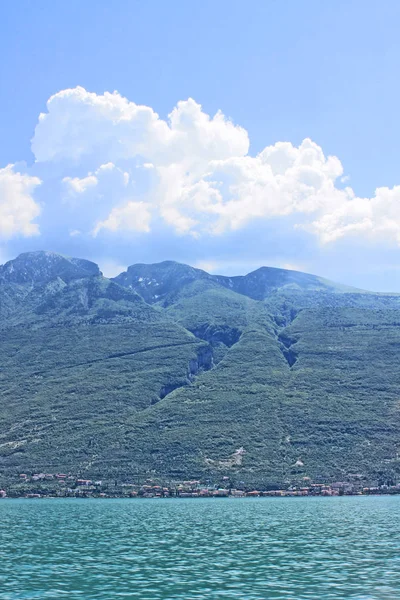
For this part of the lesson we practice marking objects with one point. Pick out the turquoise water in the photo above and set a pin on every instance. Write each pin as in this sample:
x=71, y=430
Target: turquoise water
x=289, y=548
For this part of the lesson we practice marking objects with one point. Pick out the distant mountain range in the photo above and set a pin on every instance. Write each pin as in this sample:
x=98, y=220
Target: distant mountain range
x=166, y=371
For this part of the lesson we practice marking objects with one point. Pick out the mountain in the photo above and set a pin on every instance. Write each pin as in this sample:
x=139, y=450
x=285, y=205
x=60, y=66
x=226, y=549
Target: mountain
x=169, y=372
x=155, y=283
x=41, y=267
x=159, y=282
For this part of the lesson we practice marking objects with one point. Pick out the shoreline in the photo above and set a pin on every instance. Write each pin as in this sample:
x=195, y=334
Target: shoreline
x=228, y=497
x=61, y=485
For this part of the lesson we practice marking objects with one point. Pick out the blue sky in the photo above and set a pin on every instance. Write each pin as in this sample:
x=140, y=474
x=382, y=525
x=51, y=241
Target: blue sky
x=108, y=179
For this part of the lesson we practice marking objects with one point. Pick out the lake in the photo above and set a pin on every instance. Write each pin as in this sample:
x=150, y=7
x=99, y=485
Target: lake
x=275, y=548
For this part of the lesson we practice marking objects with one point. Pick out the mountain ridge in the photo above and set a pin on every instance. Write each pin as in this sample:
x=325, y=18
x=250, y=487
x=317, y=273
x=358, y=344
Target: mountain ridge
x=42, y=265
x=135, y=277
x=15, y=270
x=166, y=371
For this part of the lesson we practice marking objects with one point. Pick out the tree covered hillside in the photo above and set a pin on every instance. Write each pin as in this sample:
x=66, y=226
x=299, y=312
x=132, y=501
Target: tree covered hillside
x=170, y=372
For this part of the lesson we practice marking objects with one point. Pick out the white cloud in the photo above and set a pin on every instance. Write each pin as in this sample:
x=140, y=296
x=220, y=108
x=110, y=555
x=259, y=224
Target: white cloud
x=105, y=173
x=80, y=123
x=17, y=206
x=280, y=181
x=79, y=186
x=372, y=218
x=131, y=216
x=201, y=177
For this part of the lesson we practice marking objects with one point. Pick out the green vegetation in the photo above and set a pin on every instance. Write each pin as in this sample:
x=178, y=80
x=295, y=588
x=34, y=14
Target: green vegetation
x=172, y=373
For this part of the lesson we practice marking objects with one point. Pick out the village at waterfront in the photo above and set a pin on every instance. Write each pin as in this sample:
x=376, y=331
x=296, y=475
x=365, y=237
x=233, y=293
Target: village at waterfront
x=62, y=485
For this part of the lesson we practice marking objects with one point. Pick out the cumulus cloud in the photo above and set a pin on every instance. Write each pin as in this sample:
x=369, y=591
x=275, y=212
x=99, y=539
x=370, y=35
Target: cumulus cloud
x=105, y=173
x=18, y=209
x=201, y=177
x=98, y=194
x=131, y=216
x=374, y=218
x=80, y=123
x=78, y=185
x=280, y=181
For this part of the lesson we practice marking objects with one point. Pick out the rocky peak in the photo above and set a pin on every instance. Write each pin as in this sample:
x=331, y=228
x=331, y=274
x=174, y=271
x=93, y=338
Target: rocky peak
x=40, y=267
x=266, y=280
x=155, y=282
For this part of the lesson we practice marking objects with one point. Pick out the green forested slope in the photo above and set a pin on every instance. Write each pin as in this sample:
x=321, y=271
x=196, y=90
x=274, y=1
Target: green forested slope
x=170, y=372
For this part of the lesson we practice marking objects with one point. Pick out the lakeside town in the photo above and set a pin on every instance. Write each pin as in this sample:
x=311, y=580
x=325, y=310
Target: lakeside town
x=62, y=485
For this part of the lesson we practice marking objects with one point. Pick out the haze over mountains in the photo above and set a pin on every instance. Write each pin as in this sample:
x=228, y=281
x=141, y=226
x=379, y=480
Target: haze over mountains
x=171, y=372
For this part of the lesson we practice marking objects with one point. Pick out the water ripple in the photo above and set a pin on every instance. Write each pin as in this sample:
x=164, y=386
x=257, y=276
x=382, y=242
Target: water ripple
x=252, y=549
